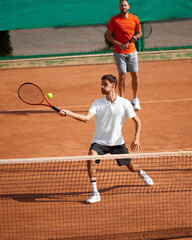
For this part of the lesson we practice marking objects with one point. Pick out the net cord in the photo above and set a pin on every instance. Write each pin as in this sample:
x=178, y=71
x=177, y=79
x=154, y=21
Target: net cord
x=96, y=157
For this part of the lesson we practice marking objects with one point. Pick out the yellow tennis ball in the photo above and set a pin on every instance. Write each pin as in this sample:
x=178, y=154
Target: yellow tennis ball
x=49, y=95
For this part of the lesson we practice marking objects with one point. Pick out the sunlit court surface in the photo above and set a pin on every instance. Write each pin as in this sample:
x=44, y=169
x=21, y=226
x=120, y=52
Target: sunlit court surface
x=47, y=200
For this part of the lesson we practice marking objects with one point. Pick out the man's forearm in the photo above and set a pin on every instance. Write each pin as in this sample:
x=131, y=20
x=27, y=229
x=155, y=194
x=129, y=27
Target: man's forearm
x=79, y=117
x=112, y=40
x=137, y=129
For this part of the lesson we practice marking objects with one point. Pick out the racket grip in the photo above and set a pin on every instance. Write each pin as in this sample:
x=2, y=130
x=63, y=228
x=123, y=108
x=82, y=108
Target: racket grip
x=56, y=109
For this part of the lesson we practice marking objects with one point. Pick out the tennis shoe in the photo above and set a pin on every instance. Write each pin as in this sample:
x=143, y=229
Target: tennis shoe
x=95, y=197
x=148, y=181
x=136, y=104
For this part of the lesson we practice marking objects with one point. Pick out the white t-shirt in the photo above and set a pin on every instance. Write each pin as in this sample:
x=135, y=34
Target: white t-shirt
x=109, y=118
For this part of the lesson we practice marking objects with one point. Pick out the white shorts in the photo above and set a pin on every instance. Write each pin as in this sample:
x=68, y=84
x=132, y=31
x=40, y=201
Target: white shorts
x=126, y=62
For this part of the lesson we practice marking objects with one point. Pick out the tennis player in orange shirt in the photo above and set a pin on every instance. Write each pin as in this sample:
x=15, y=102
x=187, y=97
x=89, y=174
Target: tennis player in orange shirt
x=120, y=31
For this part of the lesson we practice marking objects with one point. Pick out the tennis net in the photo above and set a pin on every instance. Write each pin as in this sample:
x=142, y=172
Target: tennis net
x=45, y=198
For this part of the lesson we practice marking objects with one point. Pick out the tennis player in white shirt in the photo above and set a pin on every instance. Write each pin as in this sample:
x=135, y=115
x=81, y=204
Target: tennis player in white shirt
x=110, y=113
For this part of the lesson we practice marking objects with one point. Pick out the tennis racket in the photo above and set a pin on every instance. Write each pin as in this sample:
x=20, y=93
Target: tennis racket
x=146, y=31
x=32, y=94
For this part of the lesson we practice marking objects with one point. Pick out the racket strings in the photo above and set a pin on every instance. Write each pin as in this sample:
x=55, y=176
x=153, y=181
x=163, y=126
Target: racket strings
x=31, y=94
x=146, y=29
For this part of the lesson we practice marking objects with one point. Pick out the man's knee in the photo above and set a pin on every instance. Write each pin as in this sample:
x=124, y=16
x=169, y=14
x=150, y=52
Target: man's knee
x=132, y=167
x=122, y=77
x=135, y=75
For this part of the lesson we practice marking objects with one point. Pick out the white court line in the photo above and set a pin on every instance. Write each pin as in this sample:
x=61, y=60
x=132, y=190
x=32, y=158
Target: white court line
x=144, y=102
x=39, y=108
x=167, y=101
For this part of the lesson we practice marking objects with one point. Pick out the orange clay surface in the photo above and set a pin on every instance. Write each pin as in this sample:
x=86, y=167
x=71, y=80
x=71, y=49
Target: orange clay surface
x=48, y=201
x=36, y=131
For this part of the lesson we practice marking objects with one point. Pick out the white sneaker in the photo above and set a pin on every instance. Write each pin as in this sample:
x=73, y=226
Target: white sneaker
x=136, y=104
x=148, y=181
x=95, y=197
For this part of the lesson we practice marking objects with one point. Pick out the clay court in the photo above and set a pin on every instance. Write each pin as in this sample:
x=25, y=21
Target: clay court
x=28, y=131
x=35, y=132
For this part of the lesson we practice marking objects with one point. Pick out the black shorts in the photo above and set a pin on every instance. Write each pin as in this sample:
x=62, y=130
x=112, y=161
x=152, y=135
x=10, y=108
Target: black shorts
x=120, y=149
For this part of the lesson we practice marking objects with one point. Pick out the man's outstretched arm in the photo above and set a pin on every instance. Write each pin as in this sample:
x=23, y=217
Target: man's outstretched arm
x=77, y=116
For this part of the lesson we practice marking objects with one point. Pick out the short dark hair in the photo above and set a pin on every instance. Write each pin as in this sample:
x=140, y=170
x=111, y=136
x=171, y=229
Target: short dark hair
x=123, y=0
x=110, y=78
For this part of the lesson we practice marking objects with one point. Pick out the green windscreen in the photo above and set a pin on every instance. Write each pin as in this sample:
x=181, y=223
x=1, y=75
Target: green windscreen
x=22, y=14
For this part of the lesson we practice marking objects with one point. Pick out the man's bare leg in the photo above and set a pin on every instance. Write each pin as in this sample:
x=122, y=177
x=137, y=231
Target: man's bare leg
x=121, y=84
x=95, y=196
x=135, y=168
x=135, y=85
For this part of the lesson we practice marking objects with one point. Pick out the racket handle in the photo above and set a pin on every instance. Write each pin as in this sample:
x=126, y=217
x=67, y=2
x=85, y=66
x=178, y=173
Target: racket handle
x=56, y=109
x=127, y=44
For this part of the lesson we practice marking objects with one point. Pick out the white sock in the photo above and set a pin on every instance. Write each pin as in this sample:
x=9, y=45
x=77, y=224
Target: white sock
x=141, y=172
x=94, y=185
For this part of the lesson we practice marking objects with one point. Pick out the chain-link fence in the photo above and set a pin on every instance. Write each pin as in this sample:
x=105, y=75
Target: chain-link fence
x=170, y=34
x=59, y=41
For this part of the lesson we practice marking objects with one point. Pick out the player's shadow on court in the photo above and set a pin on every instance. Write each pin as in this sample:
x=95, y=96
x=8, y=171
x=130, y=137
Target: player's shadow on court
x=69, y=196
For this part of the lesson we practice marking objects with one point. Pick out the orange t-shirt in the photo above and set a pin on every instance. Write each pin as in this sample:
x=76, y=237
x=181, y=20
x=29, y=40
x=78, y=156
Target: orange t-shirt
x=123, y=30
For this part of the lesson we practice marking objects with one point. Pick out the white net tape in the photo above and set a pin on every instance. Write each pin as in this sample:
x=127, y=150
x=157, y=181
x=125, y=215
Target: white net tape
x=96, y=157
